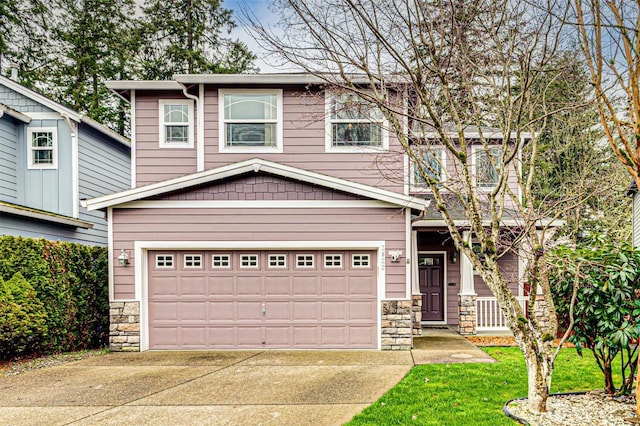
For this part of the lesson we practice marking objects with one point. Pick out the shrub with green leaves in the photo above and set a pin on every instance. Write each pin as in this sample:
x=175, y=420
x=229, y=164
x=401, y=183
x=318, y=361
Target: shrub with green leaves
x=607, y=305
x=71, y=282
x=23, y=320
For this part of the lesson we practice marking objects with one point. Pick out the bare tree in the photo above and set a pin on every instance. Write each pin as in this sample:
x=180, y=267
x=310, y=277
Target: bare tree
x=610, y=40
x=467, y=77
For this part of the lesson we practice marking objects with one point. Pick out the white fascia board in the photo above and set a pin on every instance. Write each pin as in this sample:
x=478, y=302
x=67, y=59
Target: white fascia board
x=255, y=204
x=541, y=223
x=255, y=165
x=53, y=218
x=143, y=85
x=41, y=99
x=476, y=135
x=15, y=114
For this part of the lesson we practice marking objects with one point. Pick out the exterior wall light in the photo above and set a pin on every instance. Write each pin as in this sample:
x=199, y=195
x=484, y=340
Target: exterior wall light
x=454, y=257
x=395, y=255
x=123, y=258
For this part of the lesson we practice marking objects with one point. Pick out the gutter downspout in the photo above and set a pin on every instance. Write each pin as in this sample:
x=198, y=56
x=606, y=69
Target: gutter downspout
x=199, y=123
x=73, y=128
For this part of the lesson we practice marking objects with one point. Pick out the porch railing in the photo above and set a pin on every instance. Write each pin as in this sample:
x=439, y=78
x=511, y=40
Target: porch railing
x=488, y=314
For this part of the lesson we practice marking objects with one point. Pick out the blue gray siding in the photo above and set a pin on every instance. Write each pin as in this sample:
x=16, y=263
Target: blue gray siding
x=104, y=168
x=20, y=102
x=49, y=190
x=21, y=226
x=8, y=152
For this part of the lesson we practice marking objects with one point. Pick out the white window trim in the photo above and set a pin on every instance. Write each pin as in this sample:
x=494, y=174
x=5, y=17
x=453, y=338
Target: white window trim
x=54, y=148
x=384, y=123
x=474, y=150
x=367, y=255
x=277, y=266
x=222, y=140
x=214, y=266
x=324, y=263
x=443, y=177
x=257, y=265
x=194, y=255
x=173, y=261
x=313, y=261
x=190, y=130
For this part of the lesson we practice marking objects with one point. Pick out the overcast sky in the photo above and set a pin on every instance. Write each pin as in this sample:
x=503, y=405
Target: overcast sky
x=261, y=9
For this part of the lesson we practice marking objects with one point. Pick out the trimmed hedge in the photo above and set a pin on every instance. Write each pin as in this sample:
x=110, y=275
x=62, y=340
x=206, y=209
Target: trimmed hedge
x=70, y=281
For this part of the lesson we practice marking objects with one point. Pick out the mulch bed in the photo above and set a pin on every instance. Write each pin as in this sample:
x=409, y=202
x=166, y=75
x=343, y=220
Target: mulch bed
x=503, y=341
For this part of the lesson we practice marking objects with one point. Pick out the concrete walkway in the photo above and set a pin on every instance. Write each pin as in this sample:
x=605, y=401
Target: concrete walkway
x=445, y=346
x=220, y=387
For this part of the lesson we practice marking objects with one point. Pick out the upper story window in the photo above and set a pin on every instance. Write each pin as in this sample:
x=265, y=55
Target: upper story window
x=42, y=146
x=250, y=120
x=432, y=166
x=354, y=125
x=486, y=163
x=176, y=123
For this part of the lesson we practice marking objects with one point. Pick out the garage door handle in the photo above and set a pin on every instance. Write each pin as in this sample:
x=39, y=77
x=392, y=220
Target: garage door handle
x=264, y=310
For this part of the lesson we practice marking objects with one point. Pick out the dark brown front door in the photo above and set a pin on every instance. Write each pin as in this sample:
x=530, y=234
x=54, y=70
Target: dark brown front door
x=431, y=275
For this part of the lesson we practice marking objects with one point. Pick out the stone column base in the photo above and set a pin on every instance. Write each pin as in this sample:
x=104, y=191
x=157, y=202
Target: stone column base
x=417, y=314
x=466, y=315
x=124, y=326
x=396, y=325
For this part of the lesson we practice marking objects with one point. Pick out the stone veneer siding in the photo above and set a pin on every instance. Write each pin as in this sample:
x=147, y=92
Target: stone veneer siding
x=397, y=325
x=124, y=326
x=417, y=315
x=467, y=315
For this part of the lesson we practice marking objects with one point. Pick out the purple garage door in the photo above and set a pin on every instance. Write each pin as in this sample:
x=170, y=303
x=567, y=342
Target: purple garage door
x=262, y=299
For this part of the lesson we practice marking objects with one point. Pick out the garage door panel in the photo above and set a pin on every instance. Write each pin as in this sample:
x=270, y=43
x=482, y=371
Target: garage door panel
x=305, y=310
x=333, y=285
x=221, y=285
x=163, y=311
x=277, y=286
x=249, y=311
x=193, y=311
x=305, y=285
x=222, y=311
x=165, y=286
x=215, y=307
x=333, y=311
x=193, y=286
x=249, y=285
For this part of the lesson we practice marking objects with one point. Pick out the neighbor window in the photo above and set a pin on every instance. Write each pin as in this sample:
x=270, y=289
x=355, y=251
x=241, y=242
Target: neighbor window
x=250, y=120
x=42, y=146
x=431, y=166
x=354, y=124
x=486, y=167
x=176, y=123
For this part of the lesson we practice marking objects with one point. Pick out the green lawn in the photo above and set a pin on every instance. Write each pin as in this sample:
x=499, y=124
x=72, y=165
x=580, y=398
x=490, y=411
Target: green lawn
x=473, y=394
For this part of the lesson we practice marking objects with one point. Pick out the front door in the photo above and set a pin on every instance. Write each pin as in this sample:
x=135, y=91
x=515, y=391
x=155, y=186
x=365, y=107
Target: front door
x=431, y=276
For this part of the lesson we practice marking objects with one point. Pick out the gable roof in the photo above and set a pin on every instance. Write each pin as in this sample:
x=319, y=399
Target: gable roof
x=254, y=165
x=4, y=109
x=63, y=110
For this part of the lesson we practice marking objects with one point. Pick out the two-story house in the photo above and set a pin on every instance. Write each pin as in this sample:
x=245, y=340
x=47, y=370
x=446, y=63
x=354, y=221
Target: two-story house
x=50, y=158
x=263, y=217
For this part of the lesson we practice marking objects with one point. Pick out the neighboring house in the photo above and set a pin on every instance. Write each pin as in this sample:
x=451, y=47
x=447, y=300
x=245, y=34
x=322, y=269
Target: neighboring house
x=50, y=158
x=257, y=220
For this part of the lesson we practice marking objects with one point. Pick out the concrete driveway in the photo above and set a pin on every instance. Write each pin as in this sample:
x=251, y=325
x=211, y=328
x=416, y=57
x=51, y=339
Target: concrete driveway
x=222, y=388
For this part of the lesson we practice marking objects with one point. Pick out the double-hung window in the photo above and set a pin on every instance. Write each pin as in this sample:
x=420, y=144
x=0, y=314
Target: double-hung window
x=487, y=161
x=42, y=147
x=176, y=123
x=250, y=120
x=431, y=166
x=354, y=124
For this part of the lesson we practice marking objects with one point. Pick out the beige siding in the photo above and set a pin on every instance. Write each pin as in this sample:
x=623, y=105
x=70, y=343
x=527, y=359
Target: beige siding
x=233, y=225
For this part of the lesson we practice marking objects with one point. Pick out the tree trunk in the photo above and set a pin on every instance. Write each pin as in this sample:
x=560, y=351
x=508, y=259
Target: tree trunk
x=539, y=369
x=638, y=387
x=609, y=386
